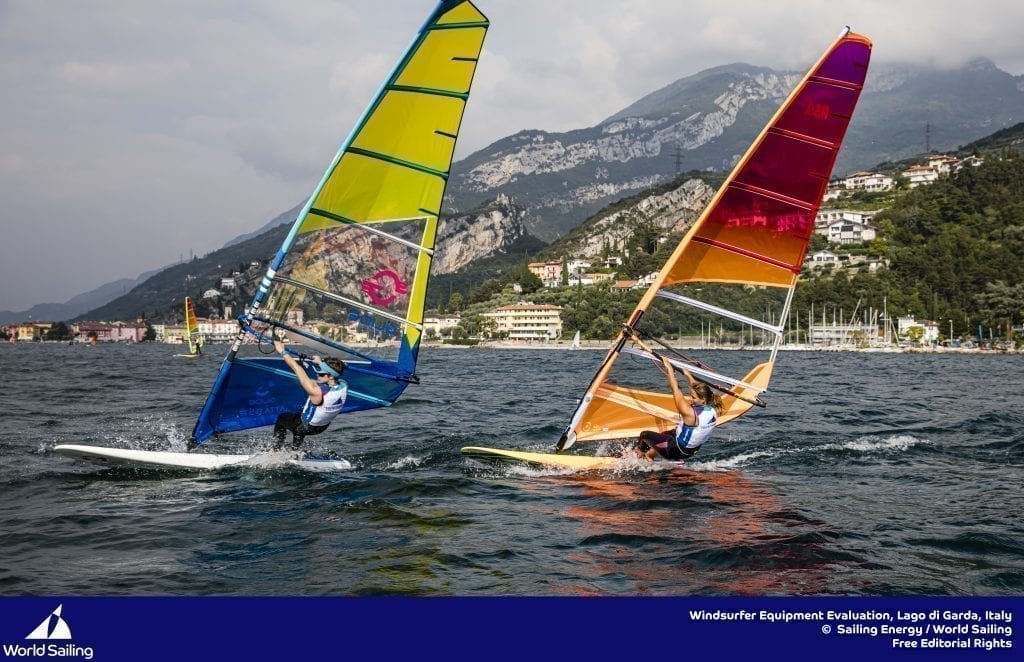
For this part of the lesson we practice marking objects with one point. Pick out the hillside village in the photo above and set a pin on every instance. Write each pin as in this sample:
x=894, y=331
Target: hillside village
x=847, y=241
x=846, y=238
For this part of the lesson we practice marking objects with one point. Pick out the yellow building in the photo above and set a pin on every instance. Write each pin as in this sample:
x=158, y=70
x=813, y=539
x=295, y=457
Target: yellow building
x=527, y=321
x=29, y=331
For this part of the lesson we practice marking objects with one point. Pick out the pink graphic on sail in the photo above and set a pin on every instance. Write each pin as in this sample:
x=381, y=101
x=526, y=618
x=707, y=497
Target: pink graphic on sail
x=385, y=287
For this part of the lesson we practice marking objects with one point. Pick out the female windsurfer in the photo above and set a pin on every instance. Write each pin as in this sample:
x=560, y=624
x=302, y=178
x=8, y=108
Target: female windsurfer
x=698, y=414
x=326, y=398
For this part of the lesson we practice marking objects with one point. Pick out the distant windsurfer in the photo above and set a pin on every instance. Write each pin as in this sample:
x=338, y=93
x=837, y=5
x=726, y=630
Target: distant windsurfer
x=326, y=398
x=698, y=415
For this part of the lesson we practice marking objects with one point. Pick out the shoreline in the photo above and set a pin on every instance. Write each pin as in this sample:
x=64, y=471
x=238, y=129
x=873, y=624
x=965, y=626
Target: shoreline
x=595, y=345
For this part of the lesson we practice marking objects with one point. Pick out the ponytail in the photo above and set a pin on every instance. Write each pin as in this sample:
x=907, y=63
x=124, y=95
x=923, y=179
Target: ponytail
x=709, y=396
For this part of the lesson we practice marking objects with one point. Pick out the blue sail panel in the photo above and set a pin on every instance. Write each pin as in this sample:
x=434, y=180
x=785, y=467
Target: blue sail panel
x=253, y=392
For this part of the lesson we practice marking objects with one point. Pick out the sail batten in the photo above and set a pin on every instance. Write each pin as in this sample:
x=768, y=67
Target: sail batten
x=391, y=159
x=351, y=276
x=709, y=375
x=720, y=311
x=740, y=260
x=804, y=138
x=774, y=195
x=369, y=228
x=832, y=81
x=429, y=90
x=764, y=259
x=350, y=302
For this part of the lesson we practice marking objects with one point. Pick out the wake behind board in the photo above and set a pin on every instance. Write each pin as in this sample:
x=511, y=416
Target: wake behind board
x=561, y=460
x=126, y=457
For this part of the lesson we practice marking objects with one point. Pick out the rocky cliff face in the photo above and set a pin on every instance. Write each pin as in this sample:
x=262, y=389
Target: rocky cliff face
x=622, y=140
x=486, y=231
x=708, y=120
x=673, y=210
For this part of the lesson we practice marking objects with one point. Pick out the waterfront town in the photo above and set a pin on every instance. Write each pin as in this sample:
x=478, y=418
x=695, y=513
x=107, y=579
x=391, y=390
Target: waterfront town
x=520, y=324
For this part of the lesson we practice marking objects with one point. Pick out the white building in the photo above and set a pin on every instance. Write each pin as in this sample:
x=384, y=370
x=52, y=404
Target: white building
x=834, y=191
x=919, y=175
x=215, y=330
x=576, y=265
x=929, y=329
x=973, y=161
x=849, y=232
x=868, y=181
x=943, y=164
x=826, y=217
x=843, y=335
x=437, y=324
x=528, y=321
x=822, y=258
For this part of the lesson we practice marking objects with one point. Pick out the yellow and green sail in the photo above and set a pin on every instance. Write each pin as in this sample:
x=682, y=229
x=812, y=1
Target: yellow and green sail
x=350, y=279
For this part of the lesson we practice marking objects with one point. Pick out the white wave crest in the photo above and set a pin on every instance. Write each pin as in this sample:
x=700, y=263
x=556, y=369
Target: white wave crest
x=899, y=442
x=406, y=462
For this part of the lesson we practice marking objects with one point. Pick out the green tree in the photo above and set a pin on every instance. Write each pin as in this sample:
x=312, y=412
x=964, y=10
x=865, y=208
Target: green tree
x=150, y=333
x=58, y=331
x=528, y=281
x=489, y=327
x=455, y=302
x=1000, y=304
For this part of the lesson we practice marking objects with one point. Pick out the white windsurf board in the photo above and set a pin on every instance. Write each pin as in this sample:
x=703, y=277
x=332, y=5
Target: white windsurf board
x=127, y=457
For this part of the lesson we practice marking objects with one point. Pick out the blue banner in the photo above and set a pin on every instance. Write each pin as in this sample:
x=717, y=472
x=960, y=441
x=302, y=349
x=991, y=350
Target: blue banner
x=486, y=628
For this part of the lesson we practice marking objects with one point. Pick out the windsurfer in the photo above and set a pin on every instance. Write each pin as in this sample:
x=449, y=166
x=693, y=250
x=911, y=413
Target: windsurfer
x=326, y=398
x=698, y=415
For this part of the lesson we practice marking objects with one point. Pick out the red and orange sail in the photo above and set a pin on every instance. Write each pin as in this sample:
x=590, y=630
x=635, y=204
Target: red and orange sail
x=752, y=237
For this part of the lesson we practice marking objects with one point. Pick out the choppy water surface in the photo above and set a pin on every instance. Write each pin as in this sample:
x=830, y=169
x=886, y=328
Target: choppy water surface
x=868, y=474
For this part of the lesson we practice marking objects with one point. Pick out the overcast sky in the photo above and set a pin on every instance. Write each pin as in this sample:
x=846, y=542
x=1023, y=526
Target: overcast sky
x=133, y=133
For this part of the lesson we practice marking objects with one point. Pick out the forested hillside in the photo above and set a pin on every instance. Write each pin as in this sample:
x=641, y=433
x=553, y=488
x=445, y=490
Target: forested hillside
x=955, y=251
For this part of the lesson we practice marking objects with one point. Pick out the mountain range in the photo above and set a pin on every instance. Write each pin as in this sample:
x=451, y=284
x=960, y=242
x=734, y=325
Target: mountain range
x=534, y=187
x=707, y=121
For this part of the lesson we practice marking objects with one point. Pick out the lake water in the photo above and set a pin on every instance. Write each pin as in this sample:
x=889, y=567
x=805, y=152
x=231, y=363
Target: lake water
x=867, y=474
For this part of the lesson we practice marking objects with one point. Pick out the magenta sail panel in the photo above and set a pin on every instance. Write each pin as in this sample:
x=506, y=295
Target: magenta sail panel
x=848, y=62
x=821, y=111
x=760, y=225
x=789, y=167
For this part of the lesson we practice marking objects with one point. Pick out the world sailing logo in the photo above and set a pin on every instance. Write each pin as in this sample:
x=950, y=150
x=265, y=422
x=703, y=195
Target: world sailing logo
x=53, y=627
